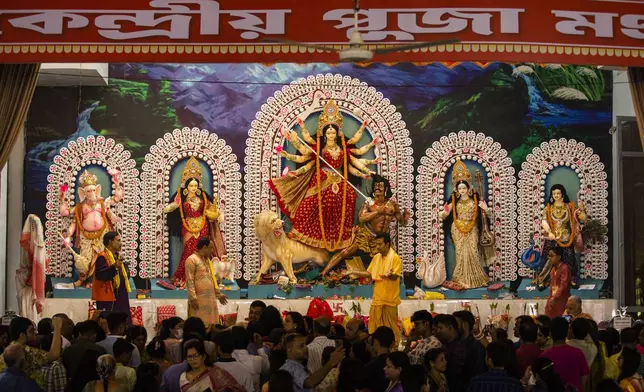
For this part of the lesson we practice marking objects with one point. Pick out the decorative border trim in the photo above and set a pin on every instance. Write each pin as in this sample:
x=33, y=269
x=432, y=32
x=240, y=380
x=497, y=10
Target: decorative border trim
x=502, y=196
x=532, y=192
x=64, y=170
x=480, y=47
x=352, y=96
x=155, y=186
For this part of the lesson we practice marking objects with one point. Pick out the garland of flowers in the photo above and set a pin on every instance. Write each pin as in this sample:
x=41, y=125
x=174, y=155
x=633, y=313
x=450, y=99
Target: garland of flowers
x=203, y=216
x=90, y=235
x=344, y=193
x=551, y=223
x=471, y=224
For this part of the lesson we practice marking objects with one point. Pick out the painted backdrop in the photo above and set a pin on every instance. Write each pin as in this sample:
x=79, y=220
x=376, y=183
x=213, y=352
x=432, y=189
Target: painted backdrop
x=520, y=106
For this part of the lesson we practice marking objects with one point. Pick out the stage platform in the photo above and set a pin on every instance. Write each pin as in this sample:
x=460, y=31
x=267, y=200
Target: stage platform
x=587, y=289
x=229, y=288
x=76, y=309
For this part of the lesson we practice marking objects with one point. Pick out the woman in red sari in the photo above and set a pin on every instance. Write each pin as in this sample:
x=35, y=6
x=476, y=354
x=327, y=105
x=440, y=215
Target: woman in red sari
x=199, y=377
x=194, y=211
x=317, y=197
x=560, y=281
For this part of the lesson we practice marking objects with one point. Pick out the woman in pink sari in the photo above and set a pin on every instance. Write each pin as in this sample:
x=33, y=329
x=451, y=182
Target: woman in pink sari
x=200, y=377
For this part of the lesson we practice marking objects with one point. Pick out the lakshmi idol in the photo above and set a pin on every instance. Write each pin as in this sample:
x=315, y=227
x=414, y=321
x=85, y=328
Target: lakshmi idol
x=196, y=214
x=317, y=197
x=560, y=221
x=464, y=211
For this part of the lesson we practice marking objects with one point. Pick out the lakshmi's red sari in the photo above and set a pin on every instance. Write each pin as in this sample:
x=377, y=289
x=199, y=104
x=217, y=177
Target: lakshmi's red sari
x=209, y=230
x=298, y=199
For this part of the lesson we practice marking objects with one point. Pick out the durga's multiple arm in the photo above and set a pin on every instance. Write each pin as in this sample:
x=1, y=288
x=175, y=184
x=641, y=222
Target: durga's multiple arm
x=358, y=135
x=305, y=133
x=296, y=158
x=357, y=166
x=361, y=165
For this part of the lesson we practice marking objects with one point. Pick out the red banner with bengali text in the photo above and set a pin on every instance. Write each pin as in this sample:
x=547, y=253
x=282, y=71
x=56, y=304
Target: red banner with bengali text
x=600, y=32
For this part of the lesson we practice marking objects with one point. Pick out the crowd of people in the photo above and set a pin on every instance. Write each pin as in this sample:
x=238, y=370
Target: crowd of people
x=271, y=353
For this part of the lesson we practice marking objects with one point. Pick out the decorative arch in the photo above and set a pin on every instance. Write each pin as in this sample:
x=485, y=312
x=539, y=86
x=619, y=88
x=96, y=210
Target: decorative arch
x=155, y=186
x=64, y=170
x=594, y=193
x=354, y=98
x=502, y=196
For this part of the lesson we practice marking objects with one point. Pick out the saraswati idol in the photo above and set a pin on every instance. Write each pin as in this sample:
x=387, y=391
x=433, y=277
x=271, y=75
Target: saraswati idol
x=465, y=211
x=194, y=214
x=317, y=197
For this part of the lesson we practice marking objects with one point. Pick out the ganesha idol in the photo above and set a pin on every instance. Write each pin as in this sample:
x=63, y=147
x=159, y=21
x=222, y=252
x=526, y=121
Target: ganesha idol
x=92, y=217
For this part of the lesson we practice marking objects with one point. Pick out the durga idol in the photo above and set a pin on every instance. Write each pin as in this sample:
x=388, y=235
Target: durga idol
x=317, y=197
x=194, y=214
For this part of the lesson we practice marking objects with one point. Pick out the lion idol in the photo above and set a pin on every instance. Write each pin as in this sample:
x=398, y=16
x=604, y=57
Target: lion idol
x=278, y=248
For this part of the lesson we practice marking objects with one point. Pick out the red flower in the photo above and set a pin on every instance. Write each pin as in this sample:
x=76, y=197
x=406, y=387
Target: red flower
x=64, y=188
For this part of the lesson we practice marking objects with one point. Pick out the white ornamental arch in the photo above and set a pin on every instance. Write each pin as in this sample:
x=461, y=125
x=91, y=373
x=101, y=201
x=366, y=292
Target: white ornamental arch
x=70, y=161
x=354, y=98
x=594, y=193
x=502, y=197
x=155, y=186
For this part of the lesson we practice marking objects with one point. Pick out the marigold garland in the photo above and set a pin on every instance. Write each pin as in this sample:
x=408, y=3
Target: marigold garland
x=471, y=224
x=571, y=210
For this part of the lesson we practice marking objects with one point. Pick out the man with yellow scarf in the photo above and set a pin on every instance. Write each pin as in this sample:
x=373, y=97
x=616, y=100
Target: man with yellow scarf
x=111, y=286
x=201, y=282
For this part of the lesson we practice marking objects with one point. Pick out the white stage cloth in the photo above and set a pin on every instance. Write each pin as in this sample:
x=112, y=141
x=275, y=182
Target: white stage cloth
x=76, y=309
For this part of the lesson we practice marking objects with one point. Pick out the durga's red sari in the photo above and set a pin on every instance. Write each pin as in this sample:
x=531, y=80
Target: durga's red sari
x=298, y=198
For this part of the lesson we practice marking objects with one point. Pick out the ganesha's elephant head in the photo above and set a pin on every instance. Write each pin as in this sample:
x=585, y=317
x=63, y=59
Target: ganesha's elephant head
x=89, y=189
